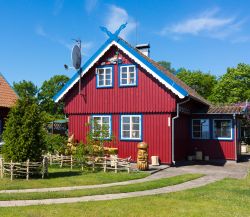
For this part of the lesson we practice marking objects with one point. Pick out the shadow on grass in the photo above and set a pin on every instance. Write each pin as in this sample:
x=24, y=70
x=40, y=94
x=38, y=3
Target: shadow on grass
x=63, y=174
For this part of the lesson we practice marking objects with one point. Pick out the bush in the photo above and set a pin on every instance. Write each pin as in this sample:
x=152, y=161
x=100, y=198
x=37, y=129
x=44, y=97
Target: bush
x=55, y=143
x=24, y=133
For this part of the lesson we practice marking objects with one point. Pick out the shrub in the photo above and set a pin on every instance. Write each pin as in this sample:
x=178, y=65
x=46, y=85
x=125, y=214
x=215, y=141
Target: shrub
x=24, y=133
x=55, y=143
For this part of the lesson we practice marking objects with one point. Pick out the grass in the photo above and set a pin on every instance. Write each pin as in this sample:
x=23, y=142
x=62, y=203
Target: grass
x=226, y=198
x=61, y=177
x=99, y=191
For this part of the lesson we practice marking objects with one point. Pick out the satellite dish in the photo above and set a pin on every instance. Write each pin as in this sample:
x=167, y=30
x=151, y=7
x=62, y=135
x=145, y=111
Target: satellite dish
x=76, y=56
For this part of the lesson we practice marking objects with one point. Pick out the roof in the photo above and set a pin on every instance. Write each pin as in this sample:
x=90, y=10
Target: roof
x=192, y=93
x=8, y=97
x=173, y=83
x=224, y=109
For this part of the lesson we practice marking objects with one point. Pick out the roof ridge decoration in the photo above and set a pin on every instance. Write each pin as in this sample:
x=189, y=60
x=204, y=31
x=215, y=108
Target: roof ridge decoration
x=114, y=40
x=115, y=35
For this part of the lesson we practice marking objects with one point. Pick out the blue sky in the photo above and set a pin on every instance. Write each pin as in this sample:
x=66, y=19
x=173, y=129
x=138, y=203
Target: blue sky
x=207, y=35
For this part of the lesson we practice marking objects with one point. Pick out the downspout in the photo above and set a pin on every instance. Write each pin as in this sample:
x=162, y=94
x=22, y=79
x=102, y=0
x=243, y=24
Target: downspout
x=235, y=137
x=173, y=121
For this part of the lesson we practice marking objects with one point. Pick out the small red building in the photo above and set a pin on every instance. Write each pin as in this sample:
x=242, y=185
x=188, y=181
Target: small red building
x=138, y=100
x=8, y=98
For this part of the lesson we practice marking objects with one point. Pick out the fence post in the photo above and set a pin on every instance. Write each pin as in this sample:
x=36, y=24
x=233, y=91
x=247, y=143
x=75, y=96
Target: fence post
x=128, y=165
x=71, y=162
x=43, y=168
x=93, y=164
x=116, y=163
x=50, y=159
x=11, y=170
x=61, y=161
x=105, y=164
x=46, y=163
x=27, y=169
x=1, y=167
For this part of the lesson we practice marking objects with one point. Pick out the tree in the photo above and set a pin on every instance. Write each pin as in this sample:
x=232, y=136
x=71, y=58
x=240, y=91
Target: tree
x=25, y=89
x=167, y=66
x=47, y=91
x=202, y=83
x=234, y=86
x=24, y=132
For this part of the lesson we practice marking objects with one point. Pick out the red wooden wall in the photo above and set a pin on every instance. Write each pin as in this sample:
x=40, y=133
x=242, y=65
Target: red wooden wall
x=156, y=133
x=182, y=137
x=216, y=149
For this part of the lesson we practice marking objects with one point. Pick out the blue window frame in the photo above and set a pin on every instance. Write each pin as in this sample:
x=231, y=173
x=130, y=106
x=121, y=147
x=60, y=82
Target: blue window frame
x=223, y=129
x=101, y=124
x=104, y=76
x=128, y=75
x=200, y=129
x=131, y=127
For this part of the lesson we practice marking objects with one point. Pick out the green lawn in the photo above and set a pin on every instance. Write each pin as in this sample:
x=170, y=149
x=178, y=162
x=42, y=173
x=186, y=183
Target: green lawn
x=98, y=191
x=59, y=177
x=226, y=198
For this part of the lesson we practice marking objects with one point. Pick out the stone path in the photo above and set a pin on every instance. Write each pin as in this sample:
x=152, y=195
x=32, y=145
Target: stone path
x=212, y=174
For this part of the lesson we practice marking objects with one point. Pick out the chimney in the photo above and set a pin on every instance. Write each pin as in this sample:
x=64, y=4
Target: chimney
x=144, y=48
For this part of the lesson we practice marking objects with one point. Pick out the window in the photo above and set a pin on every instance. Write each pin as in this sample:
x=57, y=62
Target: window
x=101, y=126
x=128, y=75
x=222, y=129
x=104, y=77
x=131, y=127
x=200, y=129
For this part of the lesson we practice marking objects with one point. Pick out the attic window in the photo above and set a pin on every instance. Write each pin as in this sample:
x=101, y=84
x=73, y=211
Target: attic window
x=104, y=77
x=128, y=75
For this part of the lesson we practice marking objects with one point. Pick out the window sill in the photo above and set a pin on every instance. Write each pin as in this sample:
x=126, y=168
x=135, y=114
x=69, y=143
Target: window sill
x=104, y=87
x=131, y=140
x=127, y=85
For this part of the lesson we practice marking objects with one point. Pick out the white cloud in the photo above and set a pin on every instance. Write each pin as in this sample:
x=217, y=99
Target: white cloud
x=117, y=16
x=209, y=23
x=58, y=5
x=40, y=31
x=90, y=5
x=241, y=39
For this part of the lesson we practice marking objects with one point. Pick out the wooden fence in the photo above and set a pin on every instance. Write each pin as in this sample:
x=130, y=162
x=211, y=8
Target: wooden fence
x=23, y=169
x=106, y=163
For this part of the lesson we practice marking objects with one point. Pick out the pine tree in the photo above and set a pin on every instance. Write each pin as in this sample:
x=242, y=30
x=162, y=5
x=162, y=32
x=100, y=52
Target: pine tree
x=24, y=133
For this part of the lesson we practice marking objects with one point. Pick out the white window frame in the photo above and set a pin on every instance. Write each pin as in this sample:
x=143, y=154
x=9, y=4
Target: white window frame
x=201, y=137
x=131, y=127
x=128, y=76
x=104, y=75
x=102, y=116
x=231, y=130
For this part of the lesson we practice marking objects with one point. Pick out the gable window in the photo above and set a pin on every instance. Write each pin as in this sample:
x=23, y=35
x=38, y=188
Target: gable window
x=101, y=126
x=222, y=128
x=128, y=75
x=131, y=127
x=200, y=129
x=104, y=77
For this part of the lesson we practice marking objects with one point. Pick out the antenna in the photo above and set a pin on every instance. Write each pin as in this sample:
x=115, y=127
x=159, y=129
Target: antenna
x=76, y=59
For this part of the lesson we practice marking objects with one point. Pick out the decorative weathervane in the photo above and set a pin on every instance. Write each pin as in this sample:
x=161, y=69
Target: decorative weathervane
x=116, y=33
x=113, y=36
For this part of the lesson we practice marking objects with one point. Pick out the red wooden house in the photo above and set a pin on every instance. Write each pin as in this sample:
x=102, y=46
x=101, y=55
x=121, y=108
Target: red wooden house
x=138, y=100
x=8, y=99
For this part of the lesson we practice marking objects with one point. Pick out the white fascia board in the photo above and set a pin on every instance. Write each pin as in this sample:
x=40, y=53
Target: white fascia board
x=181, y=96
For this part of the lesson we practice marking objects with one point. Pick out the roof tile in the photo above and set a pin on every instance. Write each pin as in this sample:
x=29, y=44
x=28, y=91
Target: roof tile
x=8, y=97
